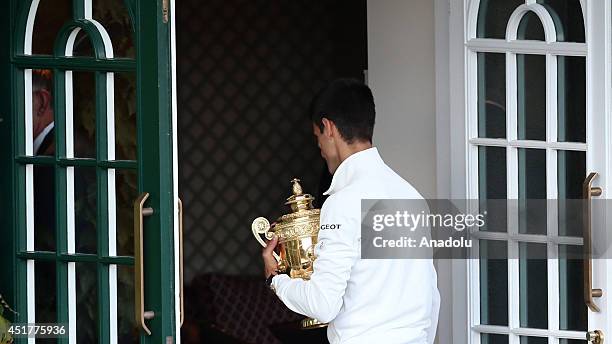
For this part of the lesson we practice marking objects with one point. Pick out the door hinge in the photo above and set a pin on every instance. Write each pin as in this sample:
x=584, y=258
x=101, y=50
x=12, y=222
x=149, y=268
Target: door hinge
x=165, y=10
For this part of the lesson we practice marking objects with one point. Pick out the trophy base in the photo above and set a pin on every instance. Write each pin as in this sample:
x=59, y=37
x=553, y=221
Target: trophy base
x=310, y=323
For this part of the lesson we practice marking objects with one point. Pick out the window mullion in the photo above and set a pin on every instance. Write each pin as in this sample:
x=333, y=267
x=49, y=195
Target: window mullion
x=512, y=194
x=552, y=228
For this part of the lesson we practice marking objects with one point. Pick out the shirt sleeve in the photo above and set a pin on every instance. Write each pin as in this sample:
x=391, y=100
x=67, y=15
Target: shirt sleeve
x=336, y=251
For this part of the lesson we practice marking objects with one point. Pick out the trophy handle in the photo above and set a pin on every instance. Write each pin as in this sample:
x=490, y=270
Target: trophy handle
x=261, y=226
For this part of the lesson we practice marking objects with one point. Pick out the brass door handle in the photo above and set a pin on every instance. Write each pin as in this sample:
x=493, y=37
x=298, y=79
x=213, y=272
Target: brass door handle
x=589, y=191
x=139, y=213
x=596, y=337
x=182, y=298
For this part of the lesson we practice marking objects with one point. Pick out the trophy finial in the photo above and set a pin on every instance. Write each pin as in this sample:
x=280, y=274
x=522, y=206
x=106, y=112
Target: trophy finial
x=297, y=188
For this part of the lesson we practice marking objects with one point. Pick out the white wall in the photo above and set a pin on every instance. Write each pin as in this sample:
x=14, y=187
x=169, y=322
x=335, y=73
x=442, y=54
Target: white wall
x=401, y=72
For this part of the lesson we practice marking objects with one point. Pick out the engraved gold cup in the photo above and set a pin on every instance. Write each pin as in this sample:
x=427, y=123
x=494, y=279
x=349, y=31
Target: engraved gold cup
x=297, y=233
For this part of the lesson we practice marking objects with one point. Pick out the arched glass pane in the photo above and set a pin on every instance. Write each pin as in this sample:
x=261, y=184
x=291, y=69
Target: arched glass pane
x=568, y=18
x=82, y=45
x=50, y=17
x=114, y=16
x=493, y=17
x=530, y=28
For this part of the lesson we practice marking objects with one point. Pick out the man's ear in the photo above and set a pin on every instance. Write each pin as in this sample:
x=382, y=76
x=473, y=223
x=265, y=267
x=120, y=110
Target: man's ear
x=329, y=128
x=44, y=102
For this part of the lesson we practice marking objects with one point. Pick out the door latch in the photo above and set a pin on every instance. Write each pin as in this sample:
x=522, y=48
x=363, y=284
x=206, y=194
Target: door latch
x=595, y=337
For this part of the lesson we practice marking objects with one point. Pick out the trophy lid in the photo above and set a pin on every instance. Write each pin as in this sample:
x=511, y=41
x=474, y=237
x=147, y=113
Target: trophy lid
x=299, y=200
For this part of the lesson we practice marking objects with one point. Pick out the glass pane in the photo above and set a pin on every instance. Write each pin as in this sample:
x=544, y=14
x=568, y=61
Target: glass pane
x=572, y=310
x=44, y=208
x=533, y=285
x=127, y=191
x=86, y=303
x=126, y=137
x=491, y=95
x=43, y=114
x=84, y=92
x=50, y=17
x=45, y=292
x=532, y=190
x=486, y=338
x=125, y=305
x=572, y=341
x=493, y=283
x=85, y=209
x=492, y=185
x=493, y=17
x=571, y=174
x=531, y=73
x=114, y=16
x=571, y=105
x=534, y=340
x=568, y=18
x=531, y=28
x=82, y=45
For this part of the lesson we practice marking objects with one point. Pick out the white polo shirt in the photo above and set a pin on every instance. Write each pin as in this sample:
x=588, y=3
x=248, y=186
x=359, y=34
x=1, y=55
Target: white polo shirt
x=391, y=301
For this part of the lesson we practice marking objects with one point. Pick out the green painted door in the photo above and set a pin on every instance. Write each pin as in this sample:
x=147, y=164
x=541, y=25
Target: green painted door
x=85, y=134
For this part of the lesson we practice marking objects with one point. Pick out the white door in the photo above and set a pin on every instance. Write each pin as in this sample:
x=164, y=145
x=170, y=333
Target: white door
x=537, y=121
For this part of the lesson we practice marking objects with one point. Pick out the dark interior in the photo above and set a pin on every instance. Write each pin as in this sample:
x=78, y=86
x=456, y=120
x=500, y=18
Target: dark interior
x=246, y=73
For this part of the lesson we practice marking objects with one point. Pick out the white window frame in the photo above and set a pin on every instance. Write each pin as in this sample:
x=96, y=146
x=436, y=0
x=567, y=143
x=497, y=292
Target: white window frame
x=456, y=140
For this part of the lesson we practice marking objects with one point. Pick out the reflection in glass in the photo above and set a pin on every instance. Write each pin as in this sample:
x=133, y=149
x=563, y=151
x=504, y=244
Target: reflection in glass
x=45, y=292
x=531, y=92
x=572, y=341
x=51, y=15
x=572, y=310
x=493, y=17
x=530, y=28
x=84, y=93
x=571, y=105
x=533, y=288
x=85, y=209
x=43, y=114
x=491, y=95
x=568, y=18
x=127, y=191
x=534, y=340
x=44, y=208
x=127, y=332
x=493, y=283
x=82, y=45
x=532, y=190
x=486, y=338
x=571, y=173
x=86, y=303
x=492, y=185
x=114, y=16
x=126, y=137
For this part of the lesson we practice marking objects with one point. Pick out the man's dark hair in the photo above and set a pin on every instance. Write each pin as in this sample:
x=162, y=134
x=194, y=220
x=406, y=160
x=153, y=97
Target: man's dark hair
x=350, y=105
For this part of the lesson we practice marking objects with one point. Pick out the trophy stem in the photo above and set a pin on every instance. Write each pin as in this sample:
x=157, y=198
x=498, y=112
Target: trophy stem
x=311, y=323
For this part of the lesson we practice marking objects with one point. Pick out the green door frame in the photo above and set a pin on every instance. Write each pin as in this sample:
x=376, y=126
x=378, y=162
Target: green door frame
x=154, y=164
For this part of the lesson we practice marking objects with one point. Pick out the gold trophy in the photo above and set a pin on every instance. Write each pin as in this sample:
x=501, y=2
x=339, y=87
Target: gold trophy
x=297, y=234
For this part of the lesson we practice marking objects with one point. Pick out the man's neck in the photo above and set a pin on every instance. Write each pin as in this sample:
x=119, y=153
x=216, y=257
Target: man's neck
x=350, y=149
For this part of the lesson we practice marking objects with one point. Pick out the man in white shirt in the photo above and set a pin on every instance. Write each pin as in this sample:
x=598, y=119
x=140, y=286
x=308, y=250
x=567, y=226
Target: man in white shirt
x=391, y=301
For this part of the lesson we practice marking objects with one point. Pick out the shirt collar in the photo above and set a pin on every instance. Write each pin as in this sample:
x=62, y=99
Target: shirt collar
x=41, y=137
x=345, y=172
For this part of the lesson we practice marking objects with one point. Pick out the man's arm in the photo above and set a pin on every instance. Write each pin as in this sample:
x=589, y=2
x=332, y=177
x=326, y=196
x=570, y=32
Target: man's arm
x=336, y=250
